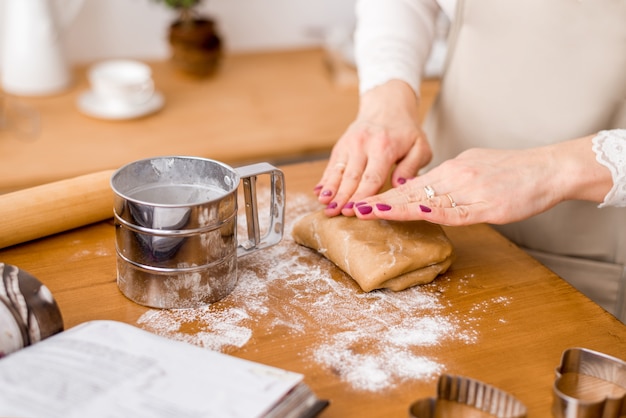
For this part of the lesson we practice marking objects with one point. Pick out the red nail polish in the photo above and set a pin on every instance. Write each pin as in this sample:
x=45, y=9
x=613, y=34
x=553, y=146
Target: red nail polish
x=401, y=180
x=425, y=209
x=319, y=187
x=331, y=205
x=327, y=193
x=364, y=210
x=383, y=207
x=349, y=205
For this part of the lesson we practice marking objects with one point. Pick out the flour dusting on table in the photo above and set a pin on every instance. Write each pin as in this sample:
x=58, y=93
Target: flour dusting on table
x=372, y=341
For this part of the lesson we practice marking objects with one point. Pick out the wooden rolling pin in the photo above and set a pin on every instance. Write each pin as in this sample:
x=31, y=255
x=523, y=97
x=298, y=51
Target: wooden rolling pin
x=55, y=207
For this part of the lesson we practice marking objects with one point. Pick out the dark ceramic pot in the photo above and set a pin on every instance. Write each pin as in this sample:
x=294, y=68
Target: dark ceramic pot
x=196, y=46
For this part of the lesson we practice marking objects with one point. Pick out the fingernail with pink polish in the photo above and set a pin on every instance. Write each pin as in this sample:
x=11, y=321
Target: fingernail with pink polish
x=331, y=205
x=349, y=205
x=425, y=209
x=317, y=188
x=327, y=193
x=401, y=180
x=364, y=210
x=383, y=207
x=360, y=204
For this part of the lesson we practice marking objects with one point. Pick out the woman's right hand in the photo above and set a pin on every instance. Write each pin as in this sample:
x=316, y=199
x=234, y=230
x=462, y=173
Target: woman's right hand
x=385, y=133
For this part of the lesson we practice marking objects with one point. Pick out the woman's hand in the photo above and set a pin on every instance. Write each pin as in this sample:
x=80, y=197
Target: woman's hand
x=495, y=186
x=385, y=133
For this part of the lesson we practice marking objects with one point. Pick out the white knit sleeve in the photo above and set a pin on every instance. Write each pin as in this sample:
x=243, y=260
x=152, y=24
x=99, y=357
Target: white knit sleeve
x=393, y=39
x=610, y=149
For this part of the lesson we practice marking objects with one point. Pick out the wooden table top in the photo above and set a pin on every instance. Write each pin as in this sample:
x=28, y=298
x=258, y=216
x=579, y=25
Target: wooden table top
x=278, y=105
x=497, y=315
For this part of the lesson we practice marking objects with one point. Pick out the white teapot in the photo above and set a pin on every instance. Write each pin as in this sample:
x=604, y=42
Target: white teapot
x=33, y=56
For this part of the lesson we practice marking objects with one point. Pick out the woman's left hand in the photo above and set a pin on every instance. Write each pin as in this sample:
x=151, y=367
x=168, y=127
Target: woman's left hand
x=493, y=186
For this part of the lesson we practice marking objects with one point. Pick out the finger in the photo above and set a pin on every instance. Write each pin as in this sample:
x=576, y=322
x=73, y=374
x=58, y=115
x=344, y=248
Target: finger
x=440, y=209
x=453, y=216
x=364, y=176
x=407, y=168
x=394, y=198
x=349, y=181
x=370, y=183
x=374, y=174
x=327, y=186
x=405, y=203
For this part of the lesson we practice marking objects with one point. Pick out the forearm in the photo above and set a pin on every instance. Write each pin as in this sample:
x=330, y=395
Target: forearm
x=591, y=168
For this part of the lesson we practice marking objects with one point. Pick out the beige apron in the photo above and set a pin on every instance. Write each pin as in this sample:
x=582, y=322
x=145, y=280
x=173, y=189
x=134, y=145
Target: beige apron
x=526, y=73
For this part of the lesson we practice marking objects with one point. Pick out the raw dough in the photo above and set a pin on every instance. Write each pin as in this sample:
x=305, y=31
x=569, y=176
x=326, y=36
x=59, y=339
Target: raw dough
x=378, y=254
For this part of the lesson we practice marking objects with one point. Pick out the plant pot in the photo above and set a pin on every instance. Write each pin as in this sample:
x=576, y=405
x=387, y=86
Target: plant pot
x=196, y=46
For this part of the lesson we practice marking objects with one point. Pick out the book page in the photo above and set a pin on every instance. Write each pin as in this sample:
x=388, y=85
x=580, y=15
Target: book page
x=111, y=369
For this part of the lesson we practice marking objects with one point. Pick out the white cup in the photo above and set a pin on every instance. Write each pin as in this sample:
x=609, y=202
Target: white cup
x=121, y=82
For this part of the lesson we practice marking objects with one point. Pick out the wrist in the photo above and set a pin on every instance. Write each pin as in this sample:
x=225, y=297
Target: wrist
x=392, y=99
x=578, y=174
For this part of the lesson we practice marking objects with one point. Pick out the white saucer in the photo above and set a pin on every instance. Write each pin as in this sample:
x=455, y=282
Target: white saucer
x=91, y=105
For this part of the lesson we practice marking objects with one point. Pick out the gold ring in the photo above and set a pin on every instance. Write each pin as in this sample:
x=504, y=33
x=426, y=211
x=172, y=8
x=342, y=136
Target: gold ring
x=430, y=192
x=452, y=202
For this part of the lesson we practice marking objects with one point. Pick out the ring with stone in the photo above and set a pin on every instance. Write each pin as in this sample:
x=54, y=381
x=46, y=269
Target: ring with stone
x=430, y=192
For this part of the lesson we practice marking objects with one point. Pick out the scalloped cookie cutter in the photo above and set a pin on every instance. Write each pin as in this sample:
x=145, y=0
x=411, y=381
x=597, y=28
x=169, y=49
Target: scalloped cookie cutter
x=582, y=361
x=470, y=392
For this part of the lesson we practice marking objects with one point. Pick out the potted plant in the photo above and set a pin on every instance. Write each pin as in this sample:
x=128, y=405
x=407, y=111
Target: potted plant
x=196, y=47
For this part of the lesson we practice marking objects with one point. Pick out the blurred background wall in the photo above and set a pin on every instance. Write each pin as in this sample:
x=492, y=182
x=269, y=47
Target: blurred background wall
x=138, y=28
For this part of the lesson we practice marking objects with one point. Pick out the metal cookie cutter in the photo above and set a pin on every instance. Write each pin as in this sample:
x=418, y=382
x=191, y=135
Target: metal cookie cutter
x=605, y=398
x=470, y=392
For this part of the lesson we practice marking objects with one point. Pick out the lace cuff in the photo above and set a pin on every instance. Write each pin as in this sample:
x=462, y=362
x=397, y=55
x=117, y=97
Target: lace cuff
x=610, y=149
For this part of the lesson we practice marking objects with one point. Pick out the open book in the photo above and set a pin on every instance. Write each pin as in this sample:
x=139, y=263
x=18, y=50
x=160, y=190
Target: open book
x=112, y=369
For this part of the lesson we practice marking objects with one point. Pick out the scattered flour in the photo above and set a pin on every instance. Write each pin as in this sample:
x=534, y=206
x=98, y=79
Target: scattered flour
x=371, y=340
x=101, y=251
